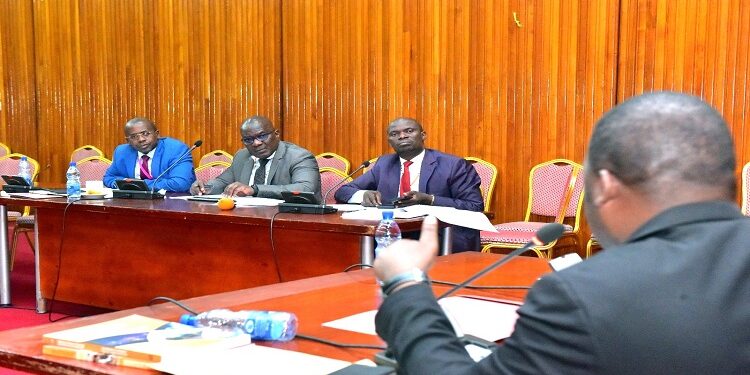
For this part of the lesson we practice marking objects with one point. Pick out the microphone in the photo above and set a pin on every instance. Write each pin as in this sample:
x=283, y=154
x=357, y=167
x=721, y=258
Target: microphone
x=195, y=145
x=543, y=236
x=305, y=208
x=546, y=234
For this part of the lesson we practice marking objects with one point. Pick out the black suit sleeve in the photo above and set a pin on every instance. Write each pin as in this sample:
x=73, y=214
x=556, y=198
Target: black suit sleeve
x=550, y=336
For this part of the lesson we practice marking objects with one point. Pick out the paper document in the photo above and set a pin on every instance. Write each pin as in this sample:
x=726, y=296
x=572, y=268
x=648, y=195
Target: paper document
x=238, y=201
x=347, y=207
x=489, y=320
x=250, y=359
x=450, y=215
x=376, y=214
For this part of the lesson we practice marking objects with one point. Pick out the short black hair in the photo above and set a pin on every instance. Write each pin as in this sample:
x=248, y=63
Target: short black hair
x=405, y=119
x=136, y=120
x=654, y=140
x=263, y=121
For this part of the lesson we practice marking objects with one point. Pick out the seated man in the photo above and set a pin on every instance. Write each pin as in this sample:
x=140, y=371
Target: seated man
x=265, y=167
x=417, y=175
x=146, y=156
x=670, y=294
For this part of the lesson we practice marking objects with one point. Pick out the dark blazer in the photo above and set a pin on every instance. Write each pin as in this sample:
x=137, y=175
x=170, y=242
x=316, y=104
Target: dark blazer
x=452, y=180
x=292, y=169
x=674, y=299
x=168, y=150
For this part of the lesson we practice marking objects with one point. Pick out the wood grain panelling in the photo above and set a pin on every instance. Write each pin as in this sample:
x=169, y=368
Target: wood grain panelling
x=480, y=84
x=699, y=47
x=197, y=68
x=18, y=126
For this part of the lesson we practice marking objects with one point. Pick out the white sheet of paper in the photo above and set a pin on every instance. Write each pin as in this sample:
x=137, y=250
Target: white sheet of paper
x=376, y=214
x=488, y=320
x=249, y=359
x=453, y=216
x=347, y=207
x=256, y=201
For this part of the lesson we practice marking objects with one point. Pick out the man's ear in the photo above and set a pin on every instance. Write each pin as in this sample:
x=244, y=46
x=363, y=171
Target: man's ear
x=607, y=187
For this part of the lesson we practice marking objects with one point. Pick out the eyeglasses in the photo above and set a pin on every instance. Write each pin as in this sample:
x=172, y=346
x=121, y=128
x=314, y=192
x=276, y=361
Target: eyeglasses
x=136, y=136
x=262, y=137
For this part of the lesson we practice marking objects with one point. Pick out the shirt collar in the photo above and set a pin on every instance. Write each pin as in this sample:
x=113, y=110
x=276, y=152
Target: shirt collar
x=416, y=160
x=255, y=158
x=150, y=154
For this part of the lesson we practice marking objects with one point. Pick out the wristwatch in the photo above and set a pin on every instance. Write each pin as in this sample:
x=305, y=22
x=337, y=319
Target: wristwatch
x=413, y=275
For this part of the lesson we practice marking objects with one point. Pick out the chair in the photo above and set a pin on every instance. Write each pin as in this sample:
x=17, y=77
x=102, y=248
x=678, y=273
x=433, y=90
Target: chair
x=211, y=170
x=746, y=190
x=331, y=160
x=593, y=246
x=329, y=177
x=372, y=164
x=4, y=150
x=555, y=195
x=93, y=168
x=24, y=220
x=84, y=152
x=488, y=174
x=216, y=155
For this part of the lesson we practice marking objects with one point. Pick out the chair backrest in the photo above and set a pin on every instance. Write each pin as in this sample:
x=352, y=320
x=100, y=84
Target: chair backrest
x=216, y=155
x=4, y=150
x=329, y=177
x=92, y=168
x=211, y=170
x=332, y=160
x=488, y=174
x=9, y=166
x=84, y=152
x=372, y=164
x=746, y=190
x=556, y=190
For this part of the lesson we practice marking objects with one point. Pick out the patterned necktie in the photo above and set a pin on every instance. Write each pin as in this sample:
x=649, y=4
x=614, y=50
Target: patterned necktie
x=145, y=173
x=260, y=173
x=406, y=179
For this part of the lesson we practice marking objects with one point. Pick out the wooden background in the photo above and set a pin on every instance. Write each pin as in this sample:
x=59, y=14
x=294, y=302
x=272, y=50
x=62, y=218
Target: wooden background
x=332, y=73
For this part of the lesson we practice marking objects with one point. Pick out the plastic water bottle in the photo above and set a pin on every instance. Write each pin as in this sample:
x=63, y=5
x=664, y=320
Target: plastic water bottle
x=260, y=325
x=73, y=185
x=387, y=232
x=24, y=170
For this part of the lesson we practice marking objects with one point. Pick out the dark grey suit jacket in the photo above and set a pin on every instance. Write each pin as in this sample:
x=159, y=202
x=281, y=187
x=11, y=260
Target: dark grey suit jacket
x=674, y=299
x=292, y=169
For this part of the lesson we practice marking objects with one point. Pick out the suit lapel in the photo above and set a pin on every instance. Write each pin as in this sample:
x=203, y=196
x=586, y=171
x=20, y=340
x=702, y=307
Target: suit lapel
x=429, y=163
x=247, y=170
x=277, y=159
x=392, y=178
x=158, y=155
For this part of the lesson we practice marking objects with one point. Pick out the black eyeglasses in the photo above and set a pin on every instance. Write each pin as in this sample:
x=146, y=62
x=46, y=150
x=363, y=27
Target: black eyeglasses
x=262, y=137
x=136, y=136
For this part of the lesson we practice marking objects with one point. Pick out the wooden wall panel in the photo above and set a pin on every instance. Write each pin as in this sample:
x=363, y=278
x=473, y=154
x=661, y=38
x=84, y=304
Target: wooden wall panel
x=480, y=84
x=18, y=126
x=699, y=47
x=196, y=67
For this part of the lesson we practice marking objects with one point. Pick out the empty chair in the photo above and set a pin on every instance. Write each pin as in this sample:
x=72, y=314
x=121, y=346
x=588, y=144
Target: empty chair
x=24, y=220
x=84, y=152
x=329, y=177
x=93, y=168
x=555, y=195
x=332, y=160
x=488, y=174
x=211, y=170
x=216, y=155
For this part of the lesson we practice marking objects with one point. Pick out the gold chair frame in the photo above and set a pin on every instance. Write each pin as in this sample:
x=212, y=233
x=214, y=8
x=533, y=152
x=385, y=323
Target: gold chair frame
x=333, y=155
x=86, y=147
x=486, y=194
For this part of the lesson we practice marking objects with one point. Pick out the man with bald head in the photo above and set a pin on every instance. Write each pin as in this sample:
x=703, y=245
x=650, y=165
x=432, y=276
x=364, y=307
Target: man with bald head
x=265, y=167
x=146, y=156
x=670, y=294
x=416, y=175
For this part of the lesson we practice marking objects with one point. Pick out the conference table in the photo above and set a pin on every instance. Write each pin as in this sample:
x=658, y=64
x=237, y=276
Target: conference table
x=314, y=301
x=120, y=253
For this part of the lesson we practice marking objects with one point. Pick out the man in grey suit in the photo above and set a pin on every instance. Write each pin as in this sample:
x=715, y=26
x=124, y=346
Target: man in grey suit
x=265, y=167
x=670, y=294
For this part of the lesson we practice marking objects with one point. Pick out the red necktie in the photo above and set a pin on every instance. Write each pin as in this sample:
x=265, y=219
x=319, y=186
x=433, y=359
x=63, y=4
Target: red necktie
x=406, y=178
x=145, y=173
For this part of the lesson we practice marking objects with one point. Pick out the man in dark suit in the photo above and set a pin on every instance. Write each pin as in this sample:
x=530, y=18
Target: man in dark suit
x=670, y=294
x=419, y=176
x=265, y=167
x=146, y=156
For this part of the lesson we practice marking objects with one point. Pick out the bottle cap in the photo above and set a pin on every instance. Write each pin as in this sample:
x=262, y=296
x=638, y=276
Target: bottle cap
x=72, y=164
x=188, y=319
x=23, y=157
x=387, y=215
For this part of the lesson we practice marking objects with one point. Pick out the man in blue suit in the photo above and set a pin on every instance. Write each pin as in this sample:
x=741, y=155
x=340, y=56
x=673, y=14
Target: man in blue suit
x=416, y=175
x=146, y=156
